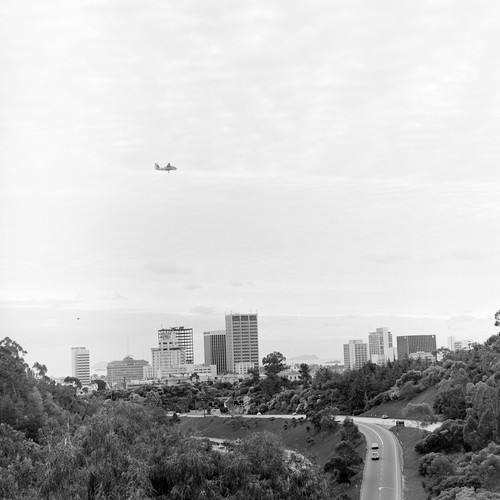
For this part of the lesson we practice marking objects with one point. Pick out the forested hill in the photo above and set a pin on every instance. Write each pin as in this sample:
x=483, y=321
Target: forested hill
x=55, y=440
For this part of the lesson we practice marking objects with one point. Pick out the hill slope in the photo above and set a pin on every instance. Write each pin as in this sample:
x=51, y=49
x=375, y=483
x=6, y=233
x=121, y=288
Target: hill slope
x=293, y=433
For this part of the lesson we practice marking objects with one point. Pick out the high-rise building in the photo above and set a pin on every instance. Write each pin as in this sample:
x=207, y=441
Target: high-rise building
x=168, y=354
x=184, y=338
x=380, y=345
x=411, y=345
x=80, y=364
x=214, y=344
x=121, y=372
x=355, y=354
x=242, y=342
x=457, y=345
x=451, y=343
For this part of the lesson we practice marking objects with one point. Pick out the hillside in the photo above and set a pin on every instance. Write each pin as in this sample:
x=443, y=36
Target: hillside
x=293, y=433
x=394, y=409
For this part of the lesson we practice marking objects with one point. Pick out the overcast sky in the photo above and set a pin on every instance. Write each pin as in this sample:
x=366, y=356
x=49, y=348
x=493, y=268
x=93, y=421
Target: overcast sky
x=338, y=171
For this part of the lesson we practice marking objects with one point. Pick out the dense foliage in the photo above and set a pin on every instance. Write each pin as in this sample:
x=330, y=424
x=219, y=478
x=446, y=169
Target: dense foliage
x=462, y=457
x=58, y=444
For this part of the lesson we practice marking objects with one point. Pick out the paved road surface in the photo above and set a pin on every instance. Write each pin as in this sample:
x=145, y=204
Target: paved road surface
x=382, y=479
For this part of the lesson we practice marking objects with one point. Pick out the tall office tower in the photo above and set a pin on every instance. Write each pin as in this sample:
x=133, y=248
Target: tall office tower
x=380, y=345
x=242, y=342
x=80, y=364
x=411, y=345
x=214, y=344
x=121, y=372
x=169, y=352
x=355, y=354
x=184, y=340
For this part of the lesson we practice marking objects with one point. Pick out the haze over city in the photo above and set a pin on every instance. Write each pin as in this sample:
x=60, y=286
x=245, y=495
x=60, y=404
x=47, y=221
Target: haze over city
x=337, y=172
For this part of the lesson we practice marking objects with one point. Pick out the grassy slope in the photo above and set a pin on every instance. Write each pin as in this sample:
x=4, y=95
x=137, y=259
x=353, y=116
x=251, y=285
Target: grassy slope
x=293, y=438
x=394, y=409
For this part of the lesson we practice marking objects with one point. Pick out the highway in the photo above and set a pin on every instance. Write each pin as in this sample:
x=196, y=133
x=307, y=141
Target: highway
x=382, y=479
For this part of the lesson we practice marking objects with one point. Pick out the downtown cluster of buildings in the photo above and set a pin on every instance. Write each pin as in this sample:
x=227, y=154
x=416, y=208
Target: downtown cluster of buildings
x=228, y=353
x=380, y=348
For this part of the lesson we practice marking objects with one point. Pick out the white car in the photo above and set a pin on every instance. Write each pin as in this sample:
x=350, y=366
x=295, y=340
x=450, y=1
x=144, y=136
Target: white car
x=375, y=455
x=374, y=446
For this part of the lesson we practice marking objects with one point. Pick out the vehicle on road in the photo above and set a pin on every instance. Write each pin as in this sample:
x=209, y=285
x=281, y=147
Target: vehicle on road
x=385, y=416
x=375, y=455
x=374, y=446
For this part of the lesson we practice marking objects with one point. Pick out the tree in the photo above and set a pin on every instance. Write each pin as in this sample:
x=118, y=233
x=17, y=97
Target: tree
x=345, y=463
x=8, y=411
x=305, y=373
x=73, y=380
x=40, y=371
x=101, y=384
x=419, y=411
x=446, y=438
x=254, y=374
x=34, y=414
x=274, y=363
x=13, y=369
x=450, y=401
x=350, y=431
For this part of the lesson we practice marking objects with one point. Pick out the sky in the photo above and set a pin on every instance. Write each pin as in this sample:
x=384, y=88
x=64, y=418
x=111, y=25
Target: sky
x=337, y=172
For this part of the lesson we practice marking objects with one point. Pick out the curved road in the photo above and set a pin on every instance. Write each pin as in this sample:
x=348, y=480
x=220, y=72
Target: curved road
x=382, y=479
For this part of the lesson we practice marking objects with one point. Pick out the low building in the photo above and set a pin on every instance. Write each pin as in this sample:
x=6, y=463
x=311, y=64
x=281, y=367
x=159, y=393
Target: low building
x=121, y=372
x=180, y=371
x=292, y=375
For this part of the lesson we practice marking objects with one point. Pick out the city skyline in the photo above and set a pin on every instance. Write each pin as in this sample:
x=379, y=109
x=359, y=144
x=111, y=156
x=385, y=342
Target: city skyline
x=337, y=171
x=335, y=354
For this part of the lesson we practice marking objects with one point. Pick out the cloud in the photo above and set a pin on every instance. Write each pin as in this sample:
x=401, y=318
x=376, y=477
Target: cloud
x=119, y=296
x=242, y=284
x=204, y=310
x=389, y=257
x=41, y=303
x=192, y=286
x=167, y=268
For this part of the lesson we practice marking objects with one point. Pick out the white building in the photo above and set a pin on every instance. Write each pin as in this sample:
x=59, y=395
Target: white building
x=242, y=341
x=241, y=369
x=355, y=354
x=80, y=364
x=204, y=372
x=381, y=346
x=169, y=352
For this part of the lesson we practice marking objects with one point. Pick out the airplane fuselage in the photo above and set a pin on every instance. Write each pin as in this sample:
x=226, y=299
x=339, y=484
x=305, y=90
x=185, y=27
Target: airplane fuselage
x=167, y=168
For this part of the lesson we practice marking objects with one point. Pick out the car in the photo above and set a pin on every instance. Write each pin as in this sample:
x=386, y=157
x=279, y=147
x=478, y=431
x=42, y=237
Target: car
x=374, y=446
x=375, y=455
x=385, y=416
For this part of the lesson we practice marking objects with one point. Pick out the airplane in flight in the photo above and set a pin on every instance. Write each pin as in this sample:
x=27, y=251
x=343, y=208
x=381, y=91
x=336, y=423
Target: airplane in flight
x=167, y=168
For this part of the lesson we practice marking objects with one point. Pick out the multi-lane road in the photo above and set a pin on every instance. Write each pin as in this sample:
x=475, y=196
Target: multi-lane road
x=382, y=478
